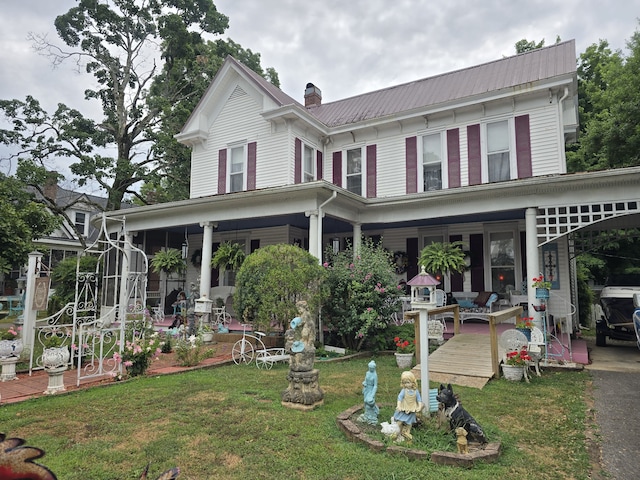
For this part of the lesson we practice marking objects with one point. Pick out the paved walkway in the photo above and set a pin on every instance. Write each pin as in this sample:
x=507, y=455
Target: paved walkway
x=26, y=387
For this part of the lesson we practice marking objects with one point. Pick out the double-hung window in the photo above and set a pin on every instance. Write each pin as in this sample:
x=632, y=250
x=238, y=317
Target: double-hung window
x=81, y=222
x=237, y=169
x=432, y=162
x=498, y=157
x=308, y=164
x=355, y=170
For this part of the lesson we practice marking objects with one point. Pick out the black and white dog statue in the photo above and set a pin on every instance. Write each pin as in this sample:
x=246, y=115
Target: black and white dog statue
x=458, y=416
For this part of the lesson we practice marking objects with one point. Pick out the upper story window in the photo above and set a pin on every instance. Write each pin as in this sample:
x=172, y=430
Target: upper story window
x=237, y=169
x=431, y=162
x=354, y=171
x=308, y=164
x=80, y=222
x=498, y=146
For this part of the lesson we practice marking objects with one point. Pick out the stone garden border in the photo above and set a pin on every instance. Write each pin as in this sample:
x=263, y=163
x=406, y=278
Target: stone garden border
x=490, y=452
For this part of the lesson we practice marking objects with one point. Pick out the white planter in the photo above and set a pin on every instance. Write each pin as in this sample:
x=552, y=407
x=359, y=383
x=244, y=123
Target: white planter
x=404, y=360
x=11, y=348
x=55, y=357
x=207, y=337
x=513, y=373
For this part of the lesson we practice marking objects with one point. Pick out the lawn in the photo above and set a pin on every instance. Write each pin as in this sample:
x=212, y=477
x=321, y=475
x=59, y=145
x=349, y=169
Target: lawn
x=227, y=423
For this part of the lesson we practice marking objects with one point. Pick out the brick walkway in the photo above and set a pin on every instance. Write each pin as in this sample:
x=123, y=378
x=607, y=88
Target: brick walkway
x=26, y=387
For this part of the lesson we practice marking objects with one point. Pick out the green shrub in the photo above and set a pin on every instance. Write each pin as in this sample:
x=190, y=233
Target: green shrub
x=270, y=282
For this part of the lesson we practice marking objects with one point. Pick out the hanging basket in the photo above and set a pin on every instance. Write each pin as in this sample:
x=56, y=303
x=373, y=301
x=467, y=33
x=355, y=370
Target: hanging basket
x=404, y=360
x=513, y=373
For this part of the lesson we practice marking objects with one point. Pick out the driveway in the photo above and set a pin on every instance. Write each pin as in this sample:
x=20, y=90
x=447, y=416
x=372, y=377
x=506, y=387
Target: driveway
x=616, y=379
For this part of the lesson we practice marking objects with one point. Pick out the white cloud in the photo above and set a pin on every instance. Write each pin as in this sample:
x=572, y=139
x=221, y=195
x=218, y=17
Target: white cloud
x=344, y=47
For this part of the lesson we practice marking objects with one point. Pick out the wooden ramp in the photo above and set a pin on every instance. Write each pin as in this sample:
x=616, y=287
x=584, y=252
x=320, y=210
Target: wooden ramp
x=464, y=359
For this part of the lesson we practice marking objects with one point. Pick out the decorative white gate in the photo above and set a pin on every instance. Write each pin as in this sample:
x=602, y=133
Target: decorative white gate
x=108, y=302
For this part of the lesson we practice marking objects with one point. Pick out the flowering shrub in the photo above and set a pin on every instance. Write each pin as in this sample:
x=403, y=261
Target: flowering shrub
x=404, y=346
x=539, y=282
x=137, y=355
x=362, y=293
x=518, y=358
x=9, y=334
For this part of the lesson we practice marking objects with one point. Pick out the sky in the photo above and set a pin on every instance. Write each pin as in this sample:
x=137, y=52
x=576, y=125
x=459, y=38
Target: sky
x=344, y=47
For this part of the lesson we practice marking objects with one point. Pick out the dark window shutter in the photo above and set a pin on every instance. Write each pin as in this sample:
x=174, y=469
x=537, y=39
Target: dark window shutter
x=523, y=146
x=215, y=273
x=372, y=190
x=318, y=165
x=453, y=157
x=255, y=244
x=412, y=257
x=411, y=152
x=297, y=156
x=337, y=168
x=475, y=155
x=222, y=171
x=251, y=166
x=457, y=283
x=476, y=246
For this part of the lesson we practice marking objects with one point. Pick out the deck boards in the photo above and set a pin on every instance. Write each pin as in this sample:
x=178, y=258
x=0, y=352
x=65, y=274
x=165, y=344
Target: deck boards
x=464, y=359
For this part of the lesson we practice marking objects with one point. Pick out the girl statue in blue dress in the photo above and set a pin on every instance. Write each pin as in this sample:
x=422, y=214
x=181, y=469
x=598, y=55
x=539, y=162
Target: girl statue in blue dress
x=409, y=403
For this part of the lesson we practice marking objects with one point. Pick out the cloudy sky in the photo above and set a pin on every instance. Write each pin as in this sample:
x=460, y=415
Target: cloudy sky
x=344, y=47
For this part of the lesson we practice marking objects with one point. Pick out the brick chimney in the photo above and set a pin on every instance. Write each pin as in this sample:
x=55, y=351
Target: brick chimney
x=51, y=186
x=312, y=96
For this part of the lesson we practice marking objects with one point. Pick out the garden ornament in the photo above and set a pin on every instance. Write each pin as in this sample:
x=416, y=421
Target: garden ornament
x=461, y=440
x=369, y=389
x=458, y=416
x=409, y=403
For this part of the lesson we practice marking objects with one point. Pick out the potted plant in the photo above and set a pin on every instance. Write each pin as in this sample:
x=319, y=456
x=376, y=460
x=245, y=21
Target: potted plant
x=55, y=354
x=10, y=344
x=167, y=262
x=542, y=287
x=207, y=333
x=404, y=352
x=525, y=325
x=516, y=362
x=229, y=256
x=443, y=258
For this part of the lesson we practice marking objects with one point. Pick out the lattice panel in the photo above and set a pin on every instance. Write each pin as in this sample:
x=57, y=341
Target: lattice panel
x=554, y=222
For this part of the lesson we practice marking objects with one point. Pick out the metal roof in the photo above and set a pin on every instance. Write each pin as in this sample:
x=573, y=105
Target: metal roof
x=526, y=68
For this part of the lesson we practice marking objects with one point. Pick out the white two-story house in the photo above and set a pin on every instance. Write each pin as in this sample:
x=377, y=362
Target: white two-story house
x=475, y=155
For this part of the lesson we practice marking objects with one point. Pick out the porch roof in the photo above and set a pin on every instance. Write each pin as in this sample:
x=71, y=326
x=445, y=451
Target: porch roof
x=288, y=205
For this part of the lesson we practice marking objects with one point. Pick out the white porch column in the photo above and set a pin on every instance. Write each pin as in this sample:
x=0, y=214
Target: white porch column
x=533, y=262
x=29, y=315
x=313, y=233
x=205, y=266
x=357, y=237
x=124, y=276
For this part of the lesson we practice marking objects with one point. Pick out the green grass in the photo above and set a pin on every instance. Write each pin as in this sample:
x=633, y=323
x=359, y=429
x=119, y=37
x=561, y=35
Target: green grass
x=228, y=423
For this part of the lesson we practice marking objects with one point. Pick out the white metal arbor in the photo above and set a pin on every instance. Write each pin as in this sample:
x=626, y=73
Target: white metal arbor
x=109, y=300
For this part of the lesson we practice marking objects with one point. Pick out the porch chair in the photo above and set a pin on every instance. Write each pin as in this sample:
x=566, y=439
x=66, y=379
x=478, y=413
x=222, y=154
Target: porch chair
x=436, y=324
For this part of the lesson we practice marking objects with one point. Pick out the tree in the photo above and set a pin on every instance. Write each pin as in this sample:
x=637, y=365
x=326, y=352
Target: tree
x=270, y=282
x=144, y=55
x=609, y=84
x=22, y=220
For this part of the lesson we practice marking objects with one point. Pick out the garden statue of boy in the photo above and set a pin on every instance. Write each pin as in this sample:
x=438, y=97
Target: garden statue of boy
x=409, y=403
x=369, y=389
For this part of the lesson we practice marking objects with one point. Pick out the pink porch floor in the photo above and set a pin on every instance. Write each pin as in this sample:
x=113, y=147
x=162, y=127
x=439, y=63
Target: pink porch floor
x=578, y=346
